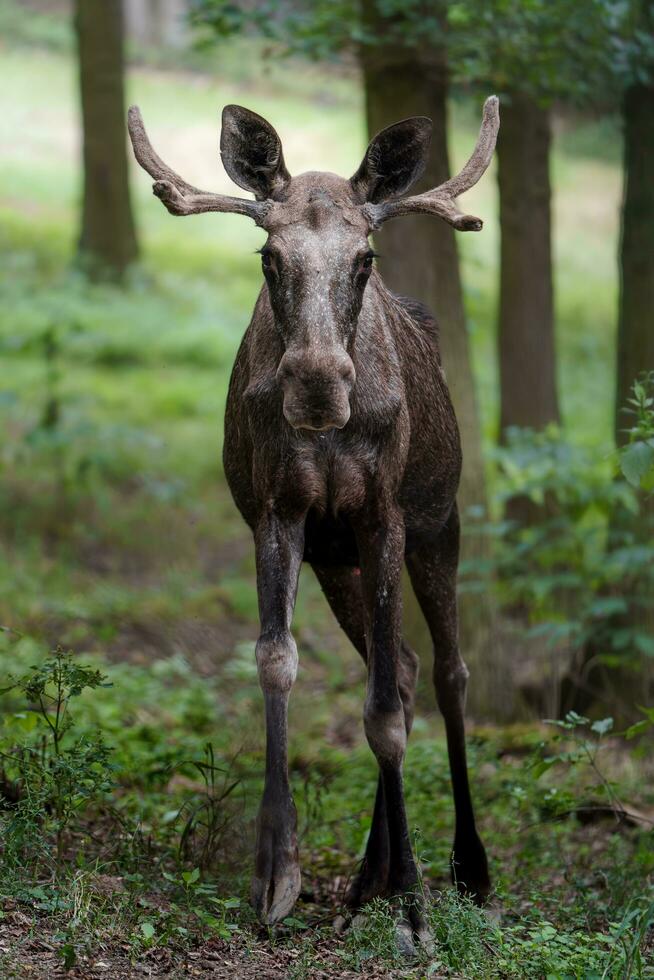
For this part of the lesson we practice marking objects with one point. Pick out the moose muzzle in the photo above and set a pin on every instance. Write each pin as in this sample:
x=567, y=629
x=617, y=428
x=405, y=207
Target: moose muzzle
x=316, y=387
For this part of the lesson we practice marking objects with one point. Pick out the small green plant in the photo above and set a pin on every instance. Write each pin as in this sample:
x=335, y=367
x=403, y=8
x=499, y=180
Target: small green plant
x=205, y=819
x=54, y=774
x=373, y=935
x=578, y=743
x=637, y=457
x=463, y=935
x=202, y=908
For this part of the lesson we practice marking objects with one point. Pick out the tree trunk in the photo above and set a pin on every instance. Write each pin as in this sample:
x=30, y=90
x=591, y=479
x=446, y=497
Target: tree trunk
x=636, y=317
x=635, y=353
x=619, y=689
x=526, y=349
x=419, y=258
x=107, y=243
x=528, y=396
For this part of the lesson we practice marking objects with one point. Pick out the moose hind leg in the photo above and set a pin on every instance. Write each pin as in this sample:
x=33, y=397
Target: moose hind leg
x=342, y=588
x=380, y=540
x=433, y=576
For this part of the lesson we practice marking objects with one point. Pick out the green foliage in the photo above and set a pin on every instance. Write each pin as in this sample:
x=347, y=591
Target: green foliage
x=50, y=772
x=373, y=936
x=325, y=29
x=164, y=901
x=584, y=562
x=585, y=53
x=47, y=29
x=466, y=942
x=637, y=457
x=205, y=818
x=588, y=738
x=549, y=49
x=202, y=905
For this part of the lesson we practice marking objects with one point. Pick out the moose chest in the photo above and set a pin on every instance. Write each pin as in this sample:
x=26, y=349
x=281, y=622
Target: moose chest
x=326, y=474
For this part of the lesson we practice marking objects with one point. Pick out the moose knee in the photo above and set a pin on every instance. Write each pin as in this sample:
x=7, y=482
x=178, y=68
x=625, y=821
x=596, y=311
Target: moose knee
x=451, y=680
x=276, y=661
x=386, y=733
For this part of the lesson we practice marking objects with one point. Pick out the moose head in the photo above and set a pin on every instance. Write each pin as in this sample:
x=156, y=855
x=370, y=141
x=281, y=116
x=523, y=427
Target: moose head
x=317, y=258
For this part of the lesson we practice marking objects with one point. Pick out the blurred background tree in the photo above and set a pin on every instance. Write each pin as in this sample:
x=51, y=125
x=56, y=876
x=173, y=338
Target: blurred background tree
x=631, y=63
x=107, y=241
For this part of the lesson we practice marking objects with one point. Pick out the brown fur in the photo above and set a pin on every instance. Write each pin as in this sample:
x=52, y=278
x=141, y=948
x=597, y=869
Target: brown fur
x=342, y=449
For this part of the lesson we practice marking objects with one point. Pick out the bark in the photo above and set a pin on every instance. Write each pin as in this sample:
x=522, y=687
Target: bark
x=635, y=349
x=635, y=352
x=528, y=395
x=618, y=689
x=107, y=242
x=419, y=258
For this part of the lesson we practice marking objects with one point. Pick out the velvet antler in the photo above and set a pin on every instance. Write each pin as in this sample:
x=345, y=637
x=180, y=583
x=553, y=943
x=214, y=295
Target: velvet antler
x=176, y=194
x=440, y=200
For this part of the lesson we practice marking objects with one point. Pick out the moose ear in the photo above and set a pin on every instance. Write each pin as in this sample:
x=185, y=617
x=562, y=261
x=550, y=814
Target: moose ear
x=395, y=158
x=251, y=152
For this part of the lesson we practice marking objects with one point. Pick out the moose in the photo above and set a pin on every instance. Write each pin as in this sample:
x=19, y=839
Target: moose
x=342, y=450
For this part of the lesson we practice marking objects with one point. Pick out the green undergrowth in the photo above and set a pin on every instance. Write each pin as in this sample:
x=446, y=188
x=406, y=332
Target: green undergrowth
x=128, y=802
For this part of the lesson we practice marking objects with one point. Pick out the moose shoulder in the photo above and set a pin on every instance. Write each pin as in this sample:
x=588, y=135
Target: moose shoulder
x=342, y=449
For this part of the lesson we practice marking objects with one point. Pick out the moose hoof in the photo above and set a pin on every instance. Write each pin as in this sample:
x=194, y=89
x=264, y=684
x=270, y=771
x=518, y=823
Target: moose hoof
x=274, y=897
x=276, y=881
x=369, y=883
x=470, y=871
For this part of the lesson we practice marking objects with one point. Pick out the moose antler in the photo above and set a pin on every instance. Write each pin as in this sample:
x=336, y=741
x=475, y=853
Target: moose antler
x=440, y=200
x=176, y=194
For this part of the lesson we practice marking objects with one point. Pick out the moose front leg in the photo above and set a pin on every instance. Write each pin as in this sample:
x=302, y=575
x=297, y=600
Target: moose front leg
x=276, y=883
x=381, y=551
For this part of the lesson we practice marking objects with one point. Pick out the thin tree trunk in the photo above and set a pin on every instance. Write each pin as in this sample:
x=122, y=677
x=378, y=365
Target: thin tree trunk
x=635, y=349
x=419, y=258
x=526, y=348
x=636, y=317
x=107, y=242
x=619, y=689
x=528, y=395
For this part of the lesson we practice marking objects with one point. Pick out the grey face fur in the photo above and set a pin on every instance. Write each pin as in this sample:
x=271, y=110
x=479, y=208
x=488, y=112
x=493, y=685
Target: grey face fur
x=316, y=266
x=317, y=259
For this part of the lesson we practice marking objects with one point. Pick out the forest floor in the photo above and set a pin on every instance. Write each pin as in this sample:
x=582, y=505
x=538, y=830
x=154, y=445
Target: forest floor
x=129, y=855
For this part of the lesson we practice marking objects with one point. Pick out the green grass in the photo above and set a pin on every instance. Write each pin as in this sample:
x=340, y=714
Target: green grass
x=120, y=878
x=120, y=540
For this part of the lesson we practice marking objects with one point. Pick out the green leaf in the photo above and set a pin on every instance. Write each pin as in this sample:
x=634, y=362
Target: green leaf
x=602, y=726
x=636, y=460
x=69, y=955
x=190, y=877
x=637, y=729
x=644, y=642
x=148, y=930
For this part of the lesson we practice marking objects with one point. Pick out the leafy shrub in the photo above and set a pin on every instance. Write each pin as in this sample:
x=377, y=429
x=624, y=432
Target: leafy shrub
x=580, y=571
x=54, y=775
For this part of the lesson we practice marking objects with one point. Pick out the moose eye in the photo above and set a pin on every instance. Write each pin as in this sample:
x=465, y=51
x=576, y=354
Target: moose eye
x=266, y=261
x=365, y=263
